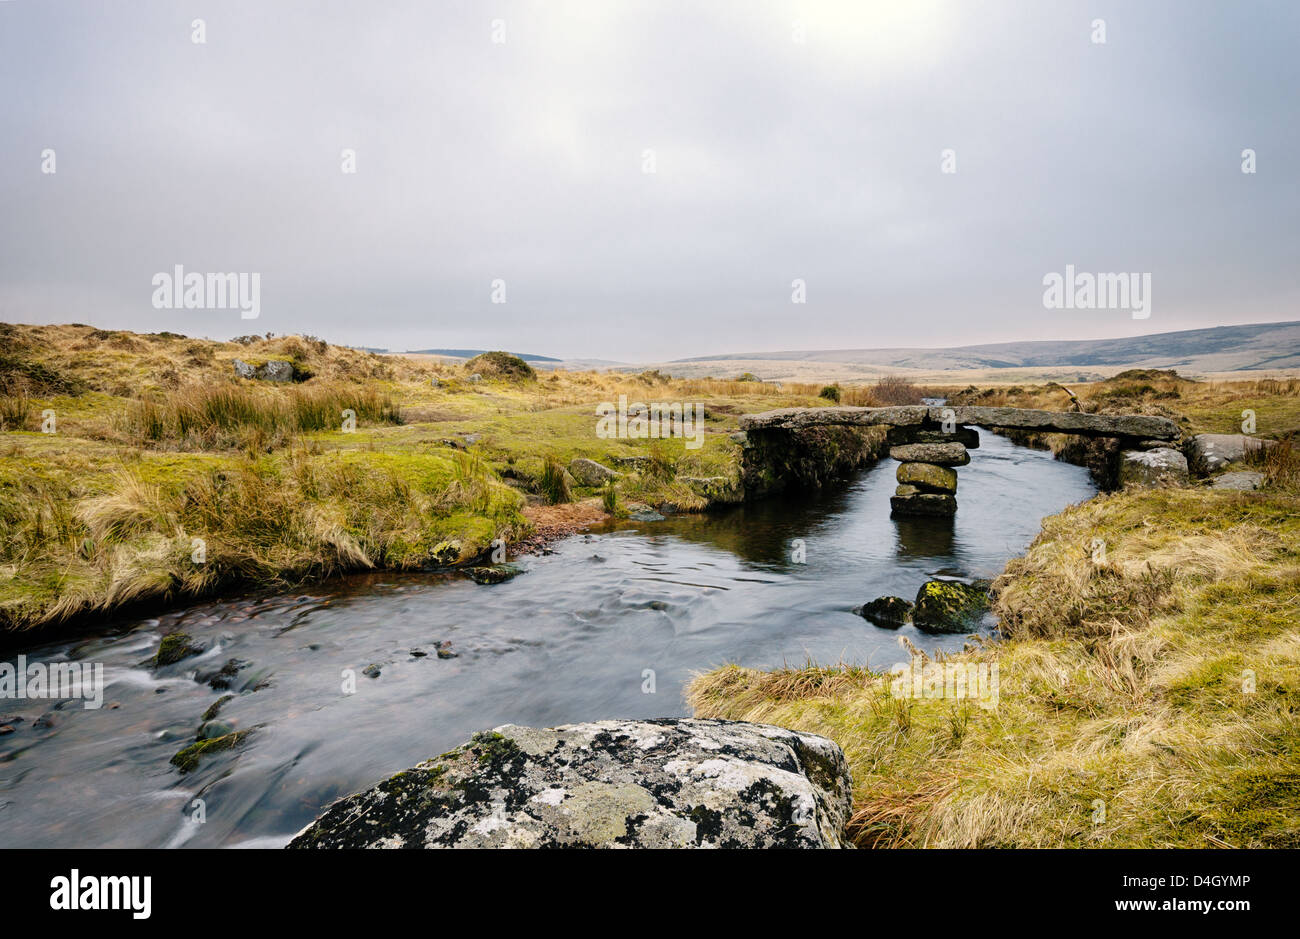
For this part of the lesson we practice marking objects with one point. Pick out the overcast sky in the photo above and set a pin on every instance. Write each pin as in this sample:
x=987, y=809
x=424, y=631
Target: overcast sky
x=774, y=159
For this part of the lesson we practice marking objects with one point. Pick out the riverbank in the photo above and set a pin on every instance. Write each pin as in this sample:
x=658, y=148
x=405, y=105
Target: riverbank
x=611, y=623
x=1148, y=678
x=143, y=470
x=1117, y=722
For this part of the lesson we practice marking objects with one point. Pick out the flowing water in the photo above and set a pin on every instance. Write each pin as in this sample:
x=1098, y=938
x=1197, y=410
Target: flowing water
x=571, y=639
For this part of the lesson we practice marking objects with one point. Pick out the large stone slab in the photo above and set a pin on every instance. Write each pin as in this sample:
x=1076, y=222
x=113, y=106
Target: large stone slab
x=1209, y=453
x=968, y=437
x=1028, y=419
x=796, y=418
x=940, y=454
x=1063, y=422
x=607, y=784
x=1152, y=468
x=1243, y=481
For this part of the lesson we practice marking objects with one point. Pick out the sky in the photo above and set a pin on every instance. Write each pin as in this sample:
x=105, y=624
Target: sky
x=502, y=152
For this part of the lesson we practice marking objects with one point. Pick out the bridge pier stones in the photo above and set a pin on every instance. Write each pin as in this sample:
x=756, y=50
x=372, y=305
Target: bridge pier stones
x=927, y=481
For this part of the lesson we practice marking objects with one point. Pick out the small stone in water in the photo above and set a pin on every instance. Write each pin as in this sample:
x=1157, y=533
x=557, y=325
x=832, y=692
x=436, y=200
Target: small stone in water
x=215, y=707
x=221, y=680
x=890, y=612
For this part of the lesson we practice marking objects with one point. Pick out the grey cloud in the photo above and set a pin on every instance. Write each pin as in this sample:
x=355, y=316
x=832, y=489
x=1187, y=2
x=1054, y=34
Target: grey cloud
x=775, y=160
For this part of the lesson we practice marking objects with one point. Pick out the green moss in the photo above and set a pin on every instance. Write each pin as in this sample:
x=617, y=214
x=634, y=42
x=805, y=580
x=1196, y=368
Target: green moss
x=187, y=760
x=173, y=648
x=215, y=707
x=492, y=747
x=949, y=606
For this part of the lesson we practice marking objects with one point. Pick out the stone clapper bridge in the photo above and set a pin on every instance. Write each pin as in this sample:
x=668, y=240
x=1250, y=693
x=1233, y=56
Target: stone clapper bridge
x=929, y=441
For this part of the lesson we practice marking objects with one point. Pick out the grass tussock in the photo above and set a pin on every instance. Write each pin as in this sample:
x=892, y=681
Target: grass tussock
x=202, y=417
x=554, y=481
x=104, y=535
x=15, y=412
x=1149, y=695
x=1280, y=464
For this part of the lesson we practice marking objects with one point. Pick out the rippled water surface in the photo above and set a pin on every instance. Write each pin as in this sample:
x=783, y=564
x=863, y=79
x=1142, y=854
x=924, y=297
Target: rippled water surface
x=568, y=640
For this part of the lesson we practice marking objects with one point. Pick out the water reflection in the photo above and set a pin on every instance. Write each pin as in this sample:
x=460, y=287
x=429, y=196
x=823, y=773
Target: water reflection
x=930, y=538
x=570, y=639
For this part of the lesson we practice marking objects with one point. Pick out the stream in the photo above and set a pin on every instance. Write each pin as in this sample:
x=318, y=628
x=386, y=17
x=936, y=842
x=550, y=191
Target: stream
x=573, y=638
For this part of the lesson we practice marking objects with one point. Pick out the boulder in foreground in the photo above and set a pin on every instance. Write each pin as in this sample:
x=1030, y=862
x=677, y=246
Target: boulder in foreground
x=607, y=784
x=1152, y=468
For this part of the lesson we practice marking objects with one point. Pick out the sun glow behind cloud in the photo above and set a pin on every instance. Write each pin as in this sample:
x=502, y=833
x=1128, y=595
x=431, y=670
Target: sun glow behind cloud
x=878, y=34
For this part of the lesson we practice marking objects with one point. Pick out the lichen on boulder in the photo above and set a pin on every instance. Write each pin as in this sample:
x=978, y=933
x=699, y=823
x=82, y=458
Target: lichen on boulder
x=589, y=472
x=1210, y=453
x=607, y=784
x=949, y=606
x=1152, y=468
x=941, y=454
x=1242, y=481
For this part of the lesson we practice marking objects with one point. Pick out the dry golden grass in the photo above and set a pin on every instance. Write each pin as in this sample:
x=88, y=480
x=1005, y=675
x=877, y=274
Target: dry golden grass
x=1148, y=697
x=159, y=443
x=234, y=414
x=84, y=533
x=1217, y=406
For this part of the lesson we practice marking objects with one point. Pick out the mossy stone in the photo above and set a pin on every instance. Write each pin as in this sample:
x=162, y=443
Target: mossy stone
x=890, y=612
x=188, y=759
x=928, y=477
x=173, y=648
x=949, y=606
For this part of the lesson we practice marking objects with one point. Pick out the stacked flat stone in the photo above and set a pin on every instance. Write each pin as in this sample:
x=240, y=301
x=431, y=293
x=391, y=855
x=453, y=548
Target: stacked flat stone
x=927, y=482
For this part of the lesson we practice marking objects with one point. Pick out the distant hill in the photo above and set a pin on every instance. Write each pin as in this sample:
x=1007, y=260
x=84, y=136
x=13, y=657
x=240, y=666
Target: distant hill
x=470, y=353
x=1216, y=349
